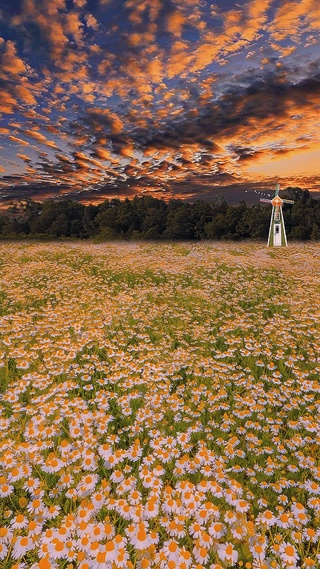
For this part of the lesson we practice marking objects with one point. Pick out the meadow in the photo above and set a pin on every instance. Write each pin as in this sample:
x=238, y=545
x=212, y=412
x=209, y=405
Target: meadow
x=159, y=406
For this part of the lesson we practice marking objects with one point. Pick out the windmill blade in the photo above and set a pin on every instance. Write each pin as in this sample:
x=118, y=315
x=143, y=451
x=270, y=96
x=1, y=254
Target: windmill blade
x=288, y=201
x=265, y=200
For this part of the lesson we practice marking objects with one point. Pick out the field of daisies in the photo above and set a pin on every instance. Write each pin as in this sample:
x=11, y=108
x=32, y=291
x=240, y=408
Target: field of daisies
x=159, y=406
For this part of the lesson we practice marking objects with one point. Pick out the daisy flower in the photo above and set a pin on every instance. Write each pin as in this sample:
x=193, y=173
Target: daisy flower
x=57, y=549
x=151, y=508
x=117, y=476
x=3, y=550
x=226, y=552
x=170, y=506
x=288, y=554
x=98, y=500
x=230, y=517
x=122, y=558
x=109, y=530
x=89, y=461
x=140, y=539
x=301, y=518
x=134, y=497
x=34, y=528
x=257, y=546
x=84, y=514
x=52, y=512
x=175, y=529
x=6, y=490
x=22, y=545
x=216, y=489
x=65, y=447
x=312, y=487
x=87, y=484
x=266, y=518
x=195, y=530
x=52, y=465
x=19, y=522
x=205, y=540
x=83, y=543
x=242, y=506
x=171, y=550
x=35, y=507
x=96, y=531
x=85, y=564
x=238, y=531
x=66, y=480
x=71, y=493
x=311, y=535
x=105, y=555
x=201, y=555
x=16, y=474
x=6, y=535
x=105, y=451
x=284, y=521
x=217, y=530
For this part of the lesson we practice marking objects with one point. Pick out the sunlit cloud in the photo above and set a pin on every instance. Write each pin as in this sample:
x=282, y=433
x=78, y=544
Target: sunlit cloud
x=157, y=96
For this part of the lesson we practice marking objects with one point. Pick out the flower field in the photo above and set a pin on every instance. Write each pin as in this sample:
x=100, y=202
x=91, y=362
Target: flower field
x=159, y=406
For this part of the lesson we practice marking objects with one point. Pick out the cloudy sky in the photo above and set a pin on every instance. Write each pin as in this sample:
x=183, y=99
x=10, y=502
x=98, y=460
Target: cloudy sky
x=175, y=98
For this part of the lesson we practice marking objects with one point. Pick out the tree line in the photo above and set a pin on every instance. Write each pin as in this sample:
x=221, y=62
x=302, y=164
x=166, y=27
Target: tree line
x=149, y=218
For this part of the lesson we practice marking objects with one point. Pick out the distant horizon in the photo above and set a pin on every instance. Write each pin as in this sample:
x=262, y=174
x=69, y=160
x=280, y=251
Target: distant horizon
x=102, y=99
x=229, y=195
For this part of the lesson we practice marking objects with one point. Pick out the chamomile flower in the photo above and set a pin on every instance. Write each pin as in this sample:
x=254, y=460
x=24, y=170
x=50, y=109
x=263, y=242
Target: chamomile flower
x=242, y=506
x=288, y=554
x=217, y=530
x=3, y=550
x=312, y=487
x=284, y=521
x=171, y=550
x=195, y=529
x=201, y=555
x=34, y=529
x=141, y=539
x=53, y=511
x=226, y=552
x=22, y=545
x=311, y=535
x=6, y=489
x=19, y=522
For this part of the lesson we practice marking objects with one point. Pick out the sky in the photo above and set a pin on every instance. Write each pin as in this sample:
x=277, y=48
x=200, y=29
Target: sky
x=174, y=99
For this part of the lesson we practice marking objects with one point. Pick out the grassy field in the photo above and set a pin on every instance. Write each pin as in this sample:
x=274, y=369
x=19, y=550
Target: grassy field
x=159, y=406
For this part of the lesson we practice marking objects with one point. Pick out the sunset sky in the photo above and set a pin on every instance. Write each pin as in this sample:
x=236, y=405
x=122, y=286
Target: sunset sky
x=116, y=98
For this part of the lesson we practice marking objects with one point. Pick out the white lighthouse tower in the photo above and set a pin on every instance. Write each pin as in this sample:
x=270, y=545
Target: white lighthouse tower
x=277, y=232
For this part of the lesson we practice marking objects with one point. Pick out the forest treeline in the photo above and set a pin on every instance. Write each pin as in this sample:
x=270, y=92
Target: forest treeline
x=150, y=218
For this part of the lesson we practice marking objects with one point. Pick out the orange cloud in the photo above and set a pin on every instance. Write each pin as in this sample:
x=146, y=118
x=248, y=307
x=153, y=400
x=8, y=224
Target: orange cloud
x=25, y=95
x=73, y=26
x=175, y=22
x=104, y=154
x=292, y=18
x=8, y=103
x=18, y=140
x=142, y=86
x=91, y=22
x=10, y=62
x=127, y=151
x=39, y=137
x=24, y=157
